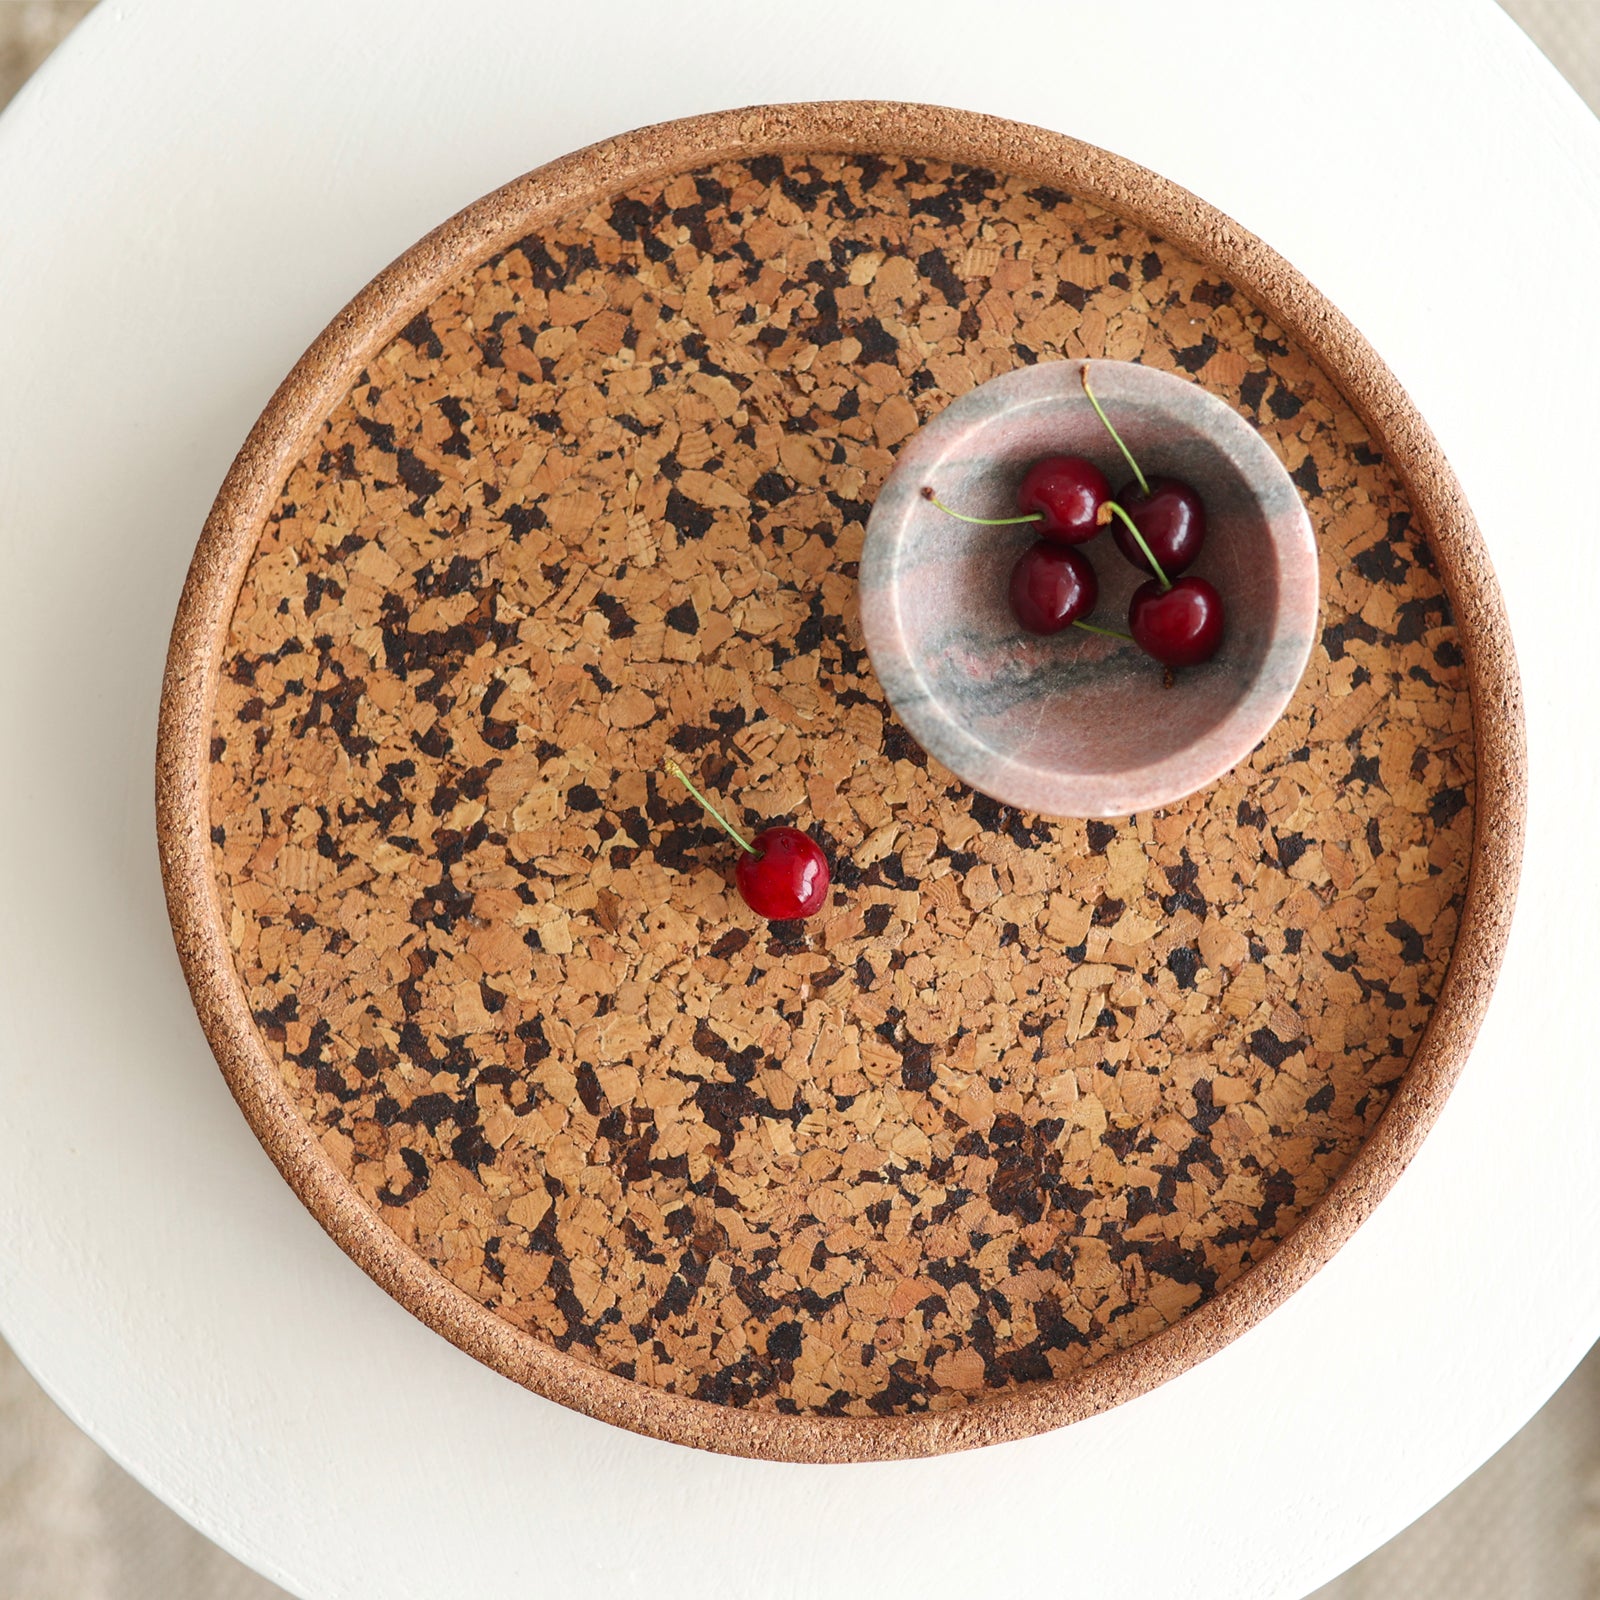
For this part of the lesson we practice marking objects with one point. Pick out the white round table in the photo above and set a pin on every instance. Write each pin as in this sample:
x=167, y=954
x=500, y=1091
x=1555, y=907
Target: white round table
x=188, y=194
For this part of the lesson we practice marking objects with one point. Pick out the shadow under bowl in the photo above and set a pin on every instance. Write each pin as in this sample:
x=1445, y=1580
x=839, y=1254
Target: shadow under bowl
x=1076, y=724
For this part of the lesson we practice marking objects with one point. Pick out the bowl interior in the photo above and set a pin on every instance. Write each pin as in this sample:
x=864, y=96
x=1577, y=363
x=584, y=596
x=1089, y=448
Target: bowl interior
x=1078, y=723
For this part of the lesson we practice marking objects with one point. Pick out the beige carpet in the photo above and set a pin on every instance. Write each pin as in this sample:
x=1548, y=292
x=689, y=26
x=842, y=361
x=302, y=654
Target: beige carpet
x=74, y=1526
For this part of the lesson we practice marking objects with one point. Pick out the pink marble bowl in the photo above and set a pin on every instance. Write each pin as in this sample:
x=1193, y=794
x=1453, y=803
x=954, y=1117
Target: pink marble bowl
x=1077, y=725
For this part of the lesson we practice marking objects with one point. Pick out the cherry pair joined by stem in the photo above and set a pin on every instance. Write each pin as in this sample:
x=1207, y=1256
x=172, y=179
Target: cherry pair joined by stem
x=1159, y=524
x=781, y=874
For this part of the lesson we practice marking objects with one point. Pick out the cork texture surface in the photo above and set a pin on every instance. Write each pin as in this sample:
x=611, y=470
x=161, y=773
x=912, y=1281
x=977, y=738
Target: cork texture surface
x=1028, y=1092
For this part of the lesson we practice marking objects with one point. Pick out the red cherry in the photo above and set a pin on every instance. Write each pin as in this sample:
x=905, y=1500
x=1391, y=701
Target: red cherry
x=1065, y=493
x=782, y=875
x=787, y=876
x=1180, y=626
x=1051, y=587
x=1170, y=516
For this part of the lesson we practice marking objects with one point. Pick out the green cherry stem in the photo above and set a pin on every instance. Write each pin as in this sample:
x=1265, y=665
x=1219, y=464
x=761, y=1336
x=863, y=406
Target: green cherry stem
x=1106, y=633
x=1138, y=539
x=982, y=522
x=711, y=811
x=1144, y=487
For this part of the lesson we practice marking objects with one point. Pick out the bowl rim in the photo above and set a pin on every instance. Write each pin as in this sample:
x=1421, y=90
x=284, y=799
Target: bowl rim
x=381, y=309
x=1213, y=752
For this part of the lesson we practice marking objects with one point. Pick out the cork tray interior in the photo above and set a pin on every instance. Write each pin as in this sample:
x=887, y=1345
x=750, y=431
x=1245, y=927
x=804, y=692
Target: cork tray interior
x=1036, y=1113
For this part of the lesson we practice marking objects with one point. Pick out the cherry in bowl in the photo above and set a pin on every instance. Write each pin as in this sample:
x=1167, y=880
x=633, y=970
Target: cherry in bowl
x=1171, y=520
x=1065, y=494
x=1179, y=624
x=1052, y=586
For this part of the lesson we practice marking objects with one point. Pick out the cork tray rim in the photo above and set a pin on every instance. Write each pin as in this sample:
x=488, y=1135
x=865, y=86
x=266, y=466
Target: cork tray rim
x=284, y=431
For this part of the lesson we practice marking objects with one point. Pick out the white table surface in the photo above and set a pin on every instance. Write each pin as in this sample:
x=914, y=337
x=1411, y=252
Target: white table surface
x=187, y=193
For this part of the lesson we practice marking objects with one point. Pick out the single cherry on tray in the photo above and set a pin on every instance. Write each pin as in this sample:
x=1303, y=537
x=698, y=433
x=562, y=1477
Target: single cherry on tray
x=782, y=874
x=785, y=876
x=1052, y=585
x=1180, y=624
x=1171, y=518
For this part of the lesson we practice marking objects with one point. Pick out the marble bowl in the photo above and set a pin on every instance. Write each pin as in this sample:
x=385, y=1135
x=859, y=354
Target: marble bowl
x=1079, y=725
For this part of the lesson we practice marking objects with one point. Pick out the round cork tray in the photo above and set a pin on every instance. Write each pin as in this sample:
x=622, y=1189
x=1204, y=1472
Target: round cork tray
x=1036, y=1114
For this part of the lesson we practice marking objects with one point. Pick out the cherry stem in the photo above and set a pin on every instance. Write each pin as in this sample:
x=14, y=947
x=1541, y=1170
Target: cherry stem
x=1108, y=633
x=721, y=821
x=1144, y=487
x=982, y=522
x=1149, y=554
